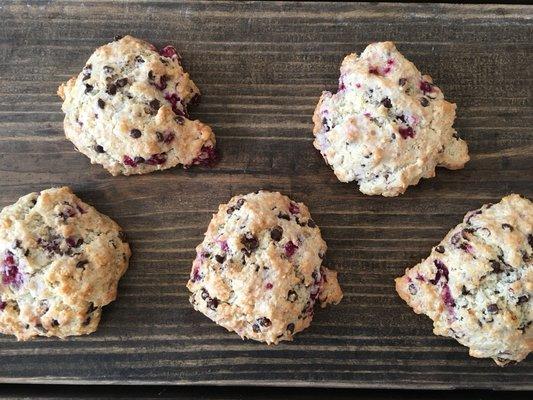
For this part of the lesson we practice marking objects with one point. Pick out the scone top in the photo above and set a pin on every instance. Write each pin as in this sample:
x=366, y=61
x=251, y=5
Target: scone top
x=388, y=125
x=258, y=271
x=60, y=262
x=477, y=284
x=127, y=110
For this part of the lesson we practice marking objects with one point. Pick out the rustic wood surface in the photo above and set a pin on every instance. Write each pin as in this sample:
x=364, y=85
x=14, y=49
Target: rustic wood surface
x=153, y=392
x=261, y=68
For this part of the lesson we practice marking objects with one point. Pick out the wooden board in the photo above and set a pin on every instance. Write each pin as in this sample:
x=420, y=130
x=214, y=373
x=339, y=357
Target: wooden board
x=153, y=392
x=261, y=68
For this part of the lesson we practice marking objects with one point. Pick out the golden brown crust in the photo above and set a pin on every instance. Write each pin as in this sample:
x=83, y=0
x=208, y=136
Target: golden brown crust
x=477, y=284
x=60, y=263
x=387, y=126
x=127, y=110
x=258, y=271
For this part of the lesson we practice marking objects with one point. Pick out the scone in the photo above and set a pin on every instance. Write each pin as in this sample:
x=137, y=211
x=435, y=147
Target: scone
x=388, y=126
x=127, y=110
x=60, y=263
x=477, y=283
x=259, y=269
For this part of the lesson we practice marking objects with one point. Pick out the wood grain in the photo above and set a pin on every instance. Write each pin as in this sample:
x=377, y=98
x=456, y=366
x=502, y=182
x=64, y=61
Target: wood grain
x=261, y=68
x=153, y=392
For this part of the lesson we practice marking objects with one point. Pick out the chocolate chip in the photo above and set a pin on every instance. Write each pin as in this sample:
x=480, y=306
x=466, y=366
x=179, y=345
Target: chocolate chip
x=493, y=308
x=301, y=223
x=179, y=119
x=101, y=103
x=311, y=224
x=55, y=323
x=439, y=249
x=502, y=260
x=386, y=103
x=276, y=233
x=290, y=328
x=107, y=69
x=220, y=259
x=138, y=160
x=402, y=81
x=121, y=82
x=496, y=266
x=139, y=59
x=264, y=321
x=212, y=303
x=117, y=37
x=325, y=124
x=250, y=243
x=135, y=133
x=88, y=88
x=412, y=289
x=111, y=89
x=256, y=328
x=522, y=299
x=160, y=136
x=508, y=227
x=284, y=216
x=239, y=203
x=151, y=75
x=155, y=104
x=99, y=149
x=424, y=102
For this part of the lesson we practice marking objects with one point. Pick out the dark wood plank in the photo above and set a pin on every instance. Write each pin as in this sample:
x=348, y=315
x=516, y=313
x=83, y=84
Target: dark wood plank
x=261, y=67
x=52, y=392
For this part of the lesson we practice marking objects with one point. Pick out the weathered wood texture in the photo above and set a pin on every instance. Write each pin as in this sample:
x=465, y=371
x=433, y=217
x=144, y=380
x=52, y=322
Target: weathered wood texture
x=153, y=392
x=261, y=68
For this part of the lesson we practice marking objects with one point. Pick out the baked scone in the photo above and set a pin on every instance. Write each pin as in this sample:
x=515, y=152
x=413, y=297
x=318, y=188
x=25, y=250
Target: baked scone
x=258, y=271
x=127, y=110
x=477, y=283
x=388, y=126
x=60, y=263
